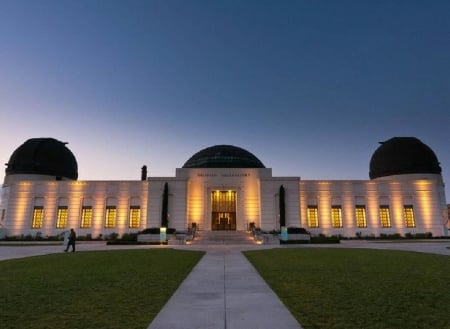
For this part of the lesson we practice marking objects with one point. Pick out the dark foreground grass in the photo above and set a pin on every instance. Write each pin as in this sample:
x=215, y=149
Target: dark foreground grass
x=349, y=288
x=105, y=289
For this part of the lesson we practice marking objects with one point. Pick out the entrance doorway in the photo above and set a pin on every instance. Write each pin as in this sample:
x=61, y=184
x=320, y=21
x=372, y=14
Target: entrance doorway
x=223, y=205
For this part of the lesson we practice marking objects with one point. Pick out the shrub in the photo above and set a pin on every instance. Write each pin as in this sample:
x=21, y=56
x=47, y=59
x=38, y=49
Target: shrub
x=297, y=230
x=426, y=235
x=54, y=238
x=11, y=238
x=151, y=230
x=129, y=237
x=394, y=236
x=113, y=236
x=156, y=230
x=321, y=238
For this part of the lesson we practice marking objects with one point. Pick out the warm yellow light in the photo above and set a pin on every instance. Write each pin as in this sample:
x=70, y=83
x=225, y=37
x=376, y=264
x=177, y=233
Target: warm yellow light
x=424, y=199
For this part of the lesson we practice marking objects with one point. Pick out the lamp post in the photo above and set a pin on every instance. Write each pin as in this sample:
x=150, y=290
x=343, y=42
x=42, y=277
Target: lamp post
x=162, y=235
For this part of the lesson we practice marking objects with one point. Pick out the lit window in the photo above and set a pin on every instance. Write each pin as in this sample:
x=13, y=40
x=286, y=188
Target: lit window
x=61, y=220
x=336, y=216
x=409, y=216
x=223, y=201
x=360, y=212
x=86, y=217
x=313, y=220
x=110, y=218
x=385, y=219
x=38, y=217
x=135, y=216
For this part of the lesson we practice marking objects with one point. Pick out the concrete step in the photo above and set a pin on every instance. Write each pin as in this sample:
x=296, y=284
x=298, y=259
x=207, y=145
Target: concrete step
x=223, y=237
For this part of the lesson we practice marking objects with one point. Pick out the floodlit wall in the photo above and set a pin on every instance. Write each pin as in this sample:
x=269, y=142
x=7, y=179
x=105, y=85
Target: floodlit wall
x=21, y=198
x=424, y=194
x=257, y=201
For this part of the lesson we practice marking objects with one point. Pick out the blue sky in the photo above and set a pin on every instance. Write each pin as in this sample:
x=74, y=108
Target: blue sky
x=309, y=87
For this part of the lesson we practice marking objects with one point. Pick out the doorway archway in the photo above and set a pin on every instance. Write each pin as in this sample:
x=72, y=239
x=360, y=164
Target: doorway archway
x=223, y=215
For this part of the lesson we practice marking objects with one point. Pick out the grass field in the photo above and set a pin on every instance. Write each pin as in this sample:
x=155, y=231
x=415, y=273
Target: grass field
x=104, y=289
x=354, y=288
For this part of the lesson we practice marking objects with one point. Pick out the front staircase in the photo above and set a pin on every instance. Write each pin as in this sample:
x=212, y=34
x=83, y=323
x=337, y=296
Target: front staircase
x=223, y=237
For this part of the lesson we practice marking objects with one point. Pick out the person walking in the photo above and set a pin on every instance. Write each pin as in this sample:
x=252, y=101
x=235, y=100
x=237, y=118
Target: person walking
x=72, y=238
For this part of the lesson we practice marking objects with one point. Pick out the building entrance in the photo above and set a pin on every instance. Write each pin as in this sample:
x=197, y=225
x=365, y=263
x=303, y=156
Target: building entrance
x=223, y=205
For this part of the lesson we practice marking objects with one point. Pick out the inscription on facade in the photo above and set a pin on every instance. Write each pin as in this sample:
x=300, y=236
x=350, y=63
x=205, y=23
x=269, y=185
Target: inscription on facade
x=223, y=175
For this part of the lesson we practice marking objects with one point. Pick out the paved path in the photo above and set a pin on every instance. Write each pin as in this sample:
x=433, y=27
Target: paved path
x=434, y=247
x=224, y=292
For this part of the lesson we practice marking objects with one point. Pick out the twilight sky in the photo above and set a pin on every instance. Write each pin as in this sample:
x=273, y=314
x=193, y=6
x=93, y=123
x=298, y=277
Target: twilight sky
x=309, y=87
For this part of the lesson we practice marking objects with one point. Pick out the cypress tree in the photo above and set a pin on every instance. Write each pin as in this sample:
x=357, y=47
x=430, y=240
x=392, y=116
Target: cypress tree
x=165, y=207
x=282, y=207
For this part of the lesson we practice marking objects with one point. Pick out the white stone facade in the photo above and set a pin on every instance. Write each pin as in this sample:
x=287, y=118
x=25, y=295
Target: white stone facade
x=256, y=201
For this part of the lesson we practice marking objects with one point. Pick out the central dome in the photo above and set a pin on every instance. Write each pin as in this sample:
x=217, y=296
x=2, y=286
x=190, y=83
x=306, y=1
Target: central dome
x=223, y=156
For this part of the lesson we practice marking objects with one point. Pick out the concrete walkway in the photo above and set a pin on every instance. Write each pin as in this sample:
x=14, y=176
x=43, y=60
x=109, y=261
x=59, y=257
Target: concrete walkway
x=224, y=291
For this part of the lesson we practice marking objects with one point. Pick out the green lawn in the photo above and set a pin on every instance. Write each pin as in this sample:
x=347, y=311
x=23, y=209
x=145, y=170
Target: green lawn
x=354, y=288
x=104, y=289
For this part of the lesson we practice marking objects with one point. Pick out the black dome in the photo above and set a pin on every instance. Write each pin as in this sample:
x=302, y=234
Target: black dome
x=223, y=156
x=403, y=155
x=43, y=156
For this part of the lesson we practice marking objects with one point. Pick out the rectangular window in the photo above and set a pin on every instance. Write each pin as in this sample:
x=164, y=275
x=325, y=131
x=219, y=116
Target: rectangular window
x=38, y=217
x=223, y=201
x=313, y=220
x=135, y=216
x=360, y=211
x=385, y=219
x=86, y=217
x=110, y=218
x=61, y=220
x=336, y=216
x=408, y=211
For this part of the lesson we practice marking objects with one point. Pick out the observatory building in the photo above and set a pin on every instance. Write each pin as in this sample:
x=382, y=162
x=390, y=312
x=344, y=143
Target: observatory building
x=223, y=187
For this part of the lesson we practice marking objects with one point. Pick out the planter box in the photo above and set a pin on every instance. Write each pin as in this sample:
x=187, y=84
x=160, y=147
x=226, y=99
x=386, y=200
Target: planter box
x=296, y=238
x=149, y=238
x=299, y=237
